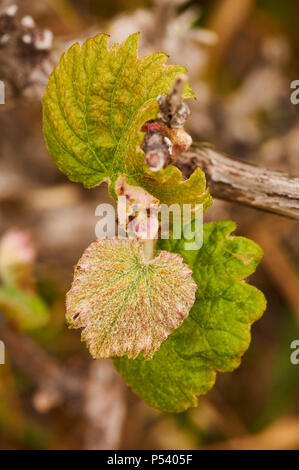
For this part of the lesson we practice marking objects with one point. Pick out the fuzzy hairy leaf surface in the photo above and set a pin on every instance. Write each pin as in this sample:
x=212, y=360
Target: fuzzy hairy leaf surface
x=95, y=104
x=216, y=333
x=125, y=303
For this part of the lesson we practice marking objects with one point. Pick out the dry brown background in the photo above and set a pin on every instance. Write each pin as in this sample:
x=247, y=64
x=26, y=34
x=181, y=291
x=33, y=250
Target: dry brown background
x=241, y=56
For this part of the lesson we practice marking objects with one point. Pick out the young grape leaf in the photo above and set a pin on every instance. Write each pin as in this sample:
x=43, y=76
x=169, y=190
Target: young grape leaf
x=125, y=303
x=95, y=104
x=216, y=333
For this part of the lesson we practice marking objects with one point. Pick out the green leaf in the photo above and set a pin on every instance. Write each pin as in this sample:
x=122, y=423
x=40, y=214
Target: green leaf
x=125, y=303
x=216, y=333
x=25, y=309
x=95, y=104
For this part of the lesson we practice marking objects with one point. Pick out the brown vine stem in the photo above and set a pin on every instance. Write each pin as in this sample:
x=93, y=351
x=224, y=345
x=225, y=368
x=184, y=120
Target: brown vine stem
x=243, y=182
x=229, y=179
x=104, y=407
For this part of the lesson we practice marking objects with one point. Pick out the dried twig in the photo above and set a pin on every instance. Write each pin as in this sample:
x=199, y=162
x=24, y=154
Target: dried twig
x=25, y=62
x=104, y=404
x=237, y=181
x=105, y=407
x=55, y=384
x=279, y=267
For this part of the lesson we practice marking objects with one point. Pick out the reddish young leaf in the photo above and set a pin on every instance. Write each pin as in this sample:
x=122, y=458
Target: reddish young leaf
x=126, y=304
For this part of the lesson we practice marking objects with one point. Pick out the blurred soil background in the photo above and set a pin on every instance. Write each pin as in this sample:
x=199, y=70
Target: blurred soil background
x=241, y=57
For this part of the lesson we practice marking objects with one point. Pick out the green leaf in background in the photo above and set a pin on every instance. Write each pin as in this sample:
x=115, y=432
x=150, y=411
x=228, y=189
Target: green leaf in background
x=94, y=107
x=125, y=303
x=216, y=333
x=19, y=300
x=26, y=310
